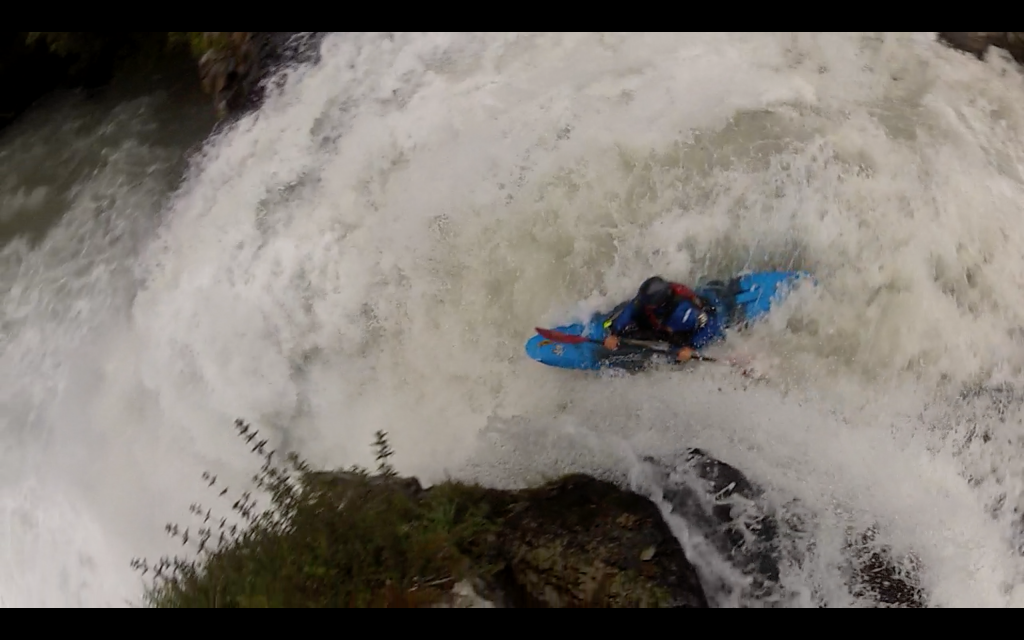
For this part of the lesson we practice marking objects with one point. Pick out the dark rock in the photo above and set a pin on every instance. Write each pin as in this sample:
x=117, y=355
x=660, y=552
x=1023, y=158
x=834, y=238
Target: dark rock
x=725, y=506
x=411, y=487
x=731, y=512
x=26, y=74
x=228, y=74
x=583, y=542
x=276, y=50
x=977, y=43
x=239, y=81
x=973, y=42
x=878, y=575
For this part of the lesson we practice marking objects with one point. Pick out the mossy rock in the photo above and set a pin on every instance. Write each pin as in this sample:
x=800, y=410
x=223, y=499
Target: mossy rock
x=583, y=542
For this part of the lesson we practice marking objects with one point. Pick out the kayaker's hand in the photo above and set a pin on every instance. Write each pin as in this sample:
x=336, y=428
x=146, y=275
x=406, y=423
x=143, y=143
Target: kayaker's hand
x=684, y=354
x=611, y=342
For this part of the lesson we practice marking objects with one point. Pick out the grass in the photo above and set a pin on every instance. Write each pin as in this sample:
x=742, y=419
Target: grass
x=324, y=542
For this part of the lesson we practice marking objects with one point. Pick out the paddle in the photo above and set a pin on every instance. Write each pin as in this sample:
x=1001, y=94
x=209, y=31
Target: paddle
x=558, y=336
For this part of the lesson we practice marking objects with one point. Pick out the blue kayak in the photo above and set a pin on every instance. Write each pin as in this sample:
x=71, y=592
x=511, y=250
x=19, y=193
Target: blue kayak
x=737, y=303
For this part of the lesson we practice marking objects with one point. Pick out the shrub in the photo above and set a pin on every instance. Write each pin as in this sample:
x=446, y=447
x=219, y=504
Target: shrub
x=344, y=539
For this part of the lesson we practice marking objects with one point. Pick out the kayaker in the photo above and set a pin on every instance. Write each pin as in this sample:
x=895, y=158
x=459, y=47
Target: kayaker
x=661, y=310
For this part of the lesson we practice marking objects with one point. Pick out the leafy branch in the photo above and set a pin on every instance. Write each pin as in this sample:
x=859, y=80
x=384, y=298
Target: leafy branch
x=337, y=539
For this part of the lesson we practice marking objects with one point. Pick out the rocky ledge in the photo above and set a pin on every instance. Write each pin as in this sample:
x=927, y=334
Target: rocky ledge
x=356, y=539
x=352, y=539
x=572, y=543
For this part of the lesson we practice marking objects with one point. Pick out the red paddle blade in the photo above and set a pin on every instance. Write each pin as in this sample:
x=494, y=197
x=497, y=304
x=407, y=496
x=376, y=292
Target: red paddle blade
x=558, y=336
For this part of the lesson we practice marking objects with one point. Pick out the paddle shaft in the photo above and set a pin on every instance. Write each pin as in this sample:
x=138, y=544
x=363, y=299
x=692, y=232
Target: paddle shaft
x=655, y=346
x=557, y=336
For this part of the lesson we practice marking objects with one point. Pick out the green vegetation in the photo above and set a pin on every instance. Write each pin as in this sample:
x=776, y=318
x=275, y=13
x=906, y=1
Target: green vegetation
x=352, y=539
x=327, y=540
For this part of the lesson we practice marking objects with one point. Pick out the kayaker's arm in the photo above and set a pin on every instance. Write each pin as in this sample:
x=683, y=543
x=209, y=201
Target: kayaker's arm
x=619, y=324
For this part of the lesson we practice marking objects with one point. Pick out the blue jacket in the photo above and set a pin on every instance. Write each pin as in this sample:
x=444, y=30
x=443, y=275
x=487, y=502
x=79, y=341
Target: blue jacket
x=685, y=319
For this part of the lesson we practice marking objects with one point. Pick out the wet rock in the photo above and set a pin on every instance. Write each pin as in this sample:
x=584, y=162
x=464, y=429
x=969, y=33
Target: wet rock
x=583, y=542
x=578, y=542
x=720, y=502
x=238, y=76
x=275, y=50
x=757, y=539
x=227, y=72
x=977, y=43
x=880, y=576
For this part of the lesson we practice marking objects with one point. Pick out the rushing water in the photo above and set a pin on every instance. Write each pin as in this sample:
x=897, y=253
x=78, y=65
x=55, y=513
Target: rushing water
x=372, y=248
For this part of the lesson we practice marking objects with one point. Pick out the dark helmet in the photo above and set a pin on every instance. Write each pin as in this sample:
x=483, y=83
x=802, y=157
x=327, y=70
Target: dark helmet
x=654, y=292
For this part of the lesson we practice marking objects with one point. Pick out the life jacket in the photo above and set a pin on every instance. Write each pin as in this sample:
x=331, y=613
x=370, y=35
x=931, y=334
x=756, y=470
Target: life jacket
x=648, y=321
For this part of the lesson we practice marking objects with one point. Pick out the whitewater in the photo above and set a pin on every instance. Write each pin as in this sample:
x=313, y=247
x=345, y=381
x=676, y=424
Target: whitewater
x=372, y=248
